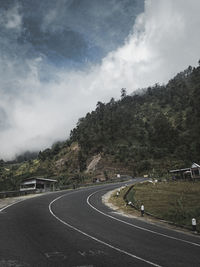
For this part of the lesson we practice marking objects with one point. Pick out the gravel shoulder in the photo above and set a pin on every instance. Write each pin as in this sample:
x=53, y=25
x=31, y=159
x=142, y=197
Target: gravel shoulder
x=106, y=199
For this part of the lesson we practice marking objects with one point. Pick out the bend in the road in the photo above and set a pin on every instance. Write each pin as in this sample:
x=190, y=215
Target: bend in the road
x=134, y=225
x=96, y=239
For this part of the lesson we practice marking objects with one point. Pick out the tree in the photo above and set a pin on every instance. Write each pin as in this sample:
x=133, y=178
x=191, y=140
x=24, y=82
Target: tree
x=123, y=93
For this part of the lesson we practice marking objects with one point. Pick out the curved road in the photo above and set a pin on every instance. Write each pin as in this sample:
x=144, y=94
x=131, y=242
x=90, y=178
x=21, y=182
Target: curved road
x=74, y=228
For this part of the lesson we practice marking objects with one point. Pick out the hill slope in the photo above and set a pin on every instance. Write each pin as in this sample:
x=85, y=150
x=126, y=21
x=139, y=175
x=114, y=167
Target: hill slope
x=144, y=133
x=153, y=131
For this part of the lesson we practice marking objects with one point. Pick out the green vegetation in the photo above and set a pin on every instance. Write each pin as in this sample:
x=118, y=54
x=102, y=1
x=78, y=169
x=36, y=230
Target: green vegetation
x=144, y=133
x=177, y=202
x=149, y=132
x=60, y=162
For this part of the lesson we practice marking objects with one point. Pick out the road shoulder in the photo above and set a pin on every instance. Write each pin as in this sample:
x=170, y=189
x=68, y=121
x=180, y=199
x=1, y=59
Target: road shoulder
x=130, y=212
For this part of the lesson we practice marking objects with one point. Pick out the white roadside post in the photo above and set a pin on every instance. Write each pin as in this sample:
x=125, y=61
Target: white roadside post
x=142, y=210
x=194, y=224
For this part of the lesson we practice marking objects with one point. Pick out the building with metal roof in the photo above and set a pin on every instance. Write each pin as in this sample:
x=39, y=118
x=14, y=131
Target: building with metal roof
x=38, y=184
x=187, y=173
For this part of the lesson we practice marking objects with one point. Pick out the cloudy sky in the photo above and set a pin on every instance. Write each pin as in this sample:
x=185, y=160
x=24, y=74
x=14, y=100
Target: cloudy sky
x=58, y=58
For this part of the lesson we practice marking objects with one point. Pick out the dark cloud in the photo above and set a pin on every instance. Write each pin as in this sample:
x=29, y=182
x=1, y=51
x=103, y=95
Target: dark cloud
x=77, y=30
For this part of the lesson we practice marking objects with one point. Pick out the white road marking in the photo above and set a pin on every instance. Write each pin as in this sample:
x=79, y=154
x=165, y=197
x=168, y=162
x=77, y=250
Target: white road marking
x=135, y=226
x=55, y=255
x=10, y=263
x=92, y=253
x=96, y=239
x=83, y=254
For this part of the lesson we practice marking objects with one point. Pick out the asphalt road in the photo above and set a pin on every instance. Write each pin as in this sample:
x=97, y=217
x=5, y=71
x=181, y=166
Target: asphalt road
x=74, y=228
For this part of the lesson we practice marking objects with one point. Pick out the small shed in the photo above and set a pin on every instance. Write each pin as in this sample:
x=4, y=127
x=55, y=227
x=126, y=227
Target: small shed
x=38, y=185
x=187, y=173
x=180, y=173
x=195, y=171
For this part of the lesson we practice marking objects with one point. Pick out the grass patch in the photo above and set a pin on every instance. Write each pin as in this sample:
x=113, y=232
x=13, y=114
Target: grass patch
x=119, y=202
x=178, y=202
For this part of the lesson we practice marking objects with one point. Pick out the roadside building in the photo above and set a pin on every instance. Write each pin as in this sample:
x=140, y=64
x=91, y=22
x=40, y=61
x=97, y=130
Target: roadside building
x=180, y=173
x=38, y=185
x=195, y=171
x=191, y=173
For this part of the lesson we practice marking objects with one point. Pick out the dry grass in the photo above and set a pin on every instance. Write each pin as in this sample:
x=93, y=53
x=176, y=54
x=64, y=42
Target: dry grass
x=178, y=202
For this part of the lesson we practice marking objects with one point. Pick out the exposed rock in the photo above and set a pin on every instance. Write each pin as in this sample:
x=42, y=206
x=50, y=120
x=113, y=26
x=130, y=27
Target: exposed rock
x=93, y=163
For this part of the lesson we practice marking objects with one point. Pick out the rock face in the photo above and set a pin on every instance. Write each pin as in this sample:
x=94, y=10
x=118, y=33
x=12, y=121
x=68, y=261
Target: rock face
x=93, y=163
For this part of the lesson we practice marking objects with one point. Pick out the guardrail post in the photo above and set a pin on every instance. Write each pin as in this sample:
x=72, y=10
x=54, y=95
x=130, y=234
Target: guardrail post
x=142, y=210
x=194, y=224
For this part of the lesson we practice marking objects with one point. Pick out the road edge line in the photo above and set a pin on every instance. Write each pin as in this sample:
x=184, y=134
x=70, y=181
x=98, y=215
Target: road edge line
x=138, y=227
x=96, y=239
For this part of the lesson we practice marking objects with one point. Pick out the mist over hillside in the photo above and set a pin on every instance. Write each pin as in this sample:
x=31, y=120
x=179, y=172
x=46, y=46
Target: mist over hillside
x=146, y=133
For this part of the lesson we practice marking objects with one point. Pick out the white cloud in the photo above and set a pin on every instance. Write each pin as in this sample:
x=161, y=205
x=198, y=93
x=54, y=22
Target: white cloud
x=164, y=41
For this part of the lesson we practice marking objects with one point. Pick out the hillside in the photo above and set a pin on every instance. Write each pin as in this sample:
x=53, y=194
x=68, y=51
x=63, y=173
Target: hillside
x=143, y=133
x=151, y=132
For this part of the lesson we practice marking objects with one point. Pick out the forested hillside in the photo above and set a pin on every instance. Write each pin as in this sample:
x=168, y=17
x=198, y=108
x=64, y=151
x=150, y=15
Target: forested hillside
x=144, y=133
x=155, y=130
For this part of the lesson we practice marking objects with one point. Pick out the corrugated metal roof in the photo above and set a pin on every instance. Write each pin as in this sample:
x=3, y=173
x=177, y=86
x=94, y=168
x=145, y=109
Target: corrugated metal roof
x=180, y=170
x=195, y=165
x=41, y=179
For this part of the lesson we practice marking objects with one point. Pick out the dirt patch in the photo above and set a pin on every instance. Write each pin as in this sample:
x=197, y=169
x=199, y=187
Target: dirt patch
x=93, y=163
x=75, y=147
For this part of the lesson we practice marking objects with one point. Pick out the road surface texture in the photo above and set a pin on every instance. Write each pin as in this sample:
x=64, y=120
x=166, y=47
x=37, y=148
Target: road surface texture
x=74, y=228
